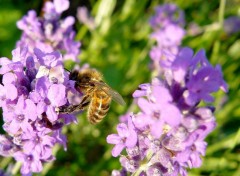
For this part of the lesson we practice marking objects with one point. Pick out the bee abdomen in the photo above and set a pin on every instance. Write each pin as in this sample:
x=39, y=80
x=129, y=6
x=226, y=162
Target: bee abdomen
x=98, y=109
x=95, y=116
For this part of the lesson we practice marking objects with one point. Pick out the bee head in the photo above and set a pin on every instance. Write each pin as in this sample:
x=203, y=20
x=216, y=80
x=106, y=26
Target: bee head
x=74, y=75
x=85, y=76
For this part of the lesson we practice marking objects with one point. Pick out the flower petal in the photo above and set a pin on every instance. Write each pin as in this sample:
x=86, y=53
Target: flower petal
x=117, y=149
x=41, y=107
x=132, y=138
x=51, y=114
x=11, y=92
x=14, y=126
x=8, y=78
x=171, y=115
x=61, y=5
x=156, y=128
x=145, y=105
x=36, y=166
x=30, y=110
x=57, y=95
x=113, y=139
x=122, y=130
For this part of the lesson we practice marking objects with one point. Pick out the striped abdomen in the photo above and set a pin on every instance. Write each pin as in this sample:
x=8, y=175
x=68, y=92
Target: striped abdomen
x=98, y=106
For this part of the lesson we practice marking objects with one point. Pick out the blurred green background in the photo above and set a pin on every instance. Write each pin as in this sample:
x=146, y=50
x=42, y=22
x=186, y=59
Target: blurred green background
x=119, y=48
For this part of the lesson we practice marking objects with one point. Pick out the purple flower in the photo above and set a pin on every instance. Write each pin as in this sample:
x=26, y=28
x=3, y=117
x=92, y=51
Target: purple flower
x=61, y=5
x=145, y=90
x=31, y=162
x=123, y=172
x=56, y=95
x=168, y=31
x=170, y=128
x=7, y=147
x=130, y=165
x=32, y=125
x=158, y=110
x=49, y=33
x=170, y=36
x=169, y=137
x=84, y=17
x=203, y=78
x=126, y=137
x=21, y=116
x=231, y=24
x=165, y=15
x=60, y=138
x=40, y=142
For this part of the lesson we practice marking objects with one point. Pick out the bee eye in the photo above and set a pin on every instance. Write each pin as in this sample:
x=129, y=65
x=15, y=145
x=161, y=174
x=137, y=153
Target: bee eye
x=85, y=79
x=73, y=75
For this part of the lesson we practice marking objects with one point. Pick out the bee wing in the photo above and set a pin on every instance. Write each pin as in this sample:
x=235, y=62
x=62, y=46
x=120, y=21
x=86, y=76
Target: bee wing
x=109, y=91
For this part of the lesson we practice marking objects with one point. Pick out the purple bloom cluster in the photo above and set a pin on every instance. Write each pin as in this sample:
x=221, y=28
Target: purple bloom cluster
x=167, y=136
x=167, y=25
x=84, y=17
x=231, y=25
x=50, y=33
x=29, y=94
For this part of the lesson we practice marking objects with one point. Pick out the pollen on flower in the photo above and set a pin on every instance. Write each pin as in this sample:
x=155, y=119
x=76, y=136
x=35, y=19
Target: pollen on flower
x=166, y=128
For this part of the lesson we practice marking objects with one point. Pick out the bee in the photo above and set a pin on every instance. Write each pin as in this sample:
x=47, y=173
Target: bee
x=97, y=95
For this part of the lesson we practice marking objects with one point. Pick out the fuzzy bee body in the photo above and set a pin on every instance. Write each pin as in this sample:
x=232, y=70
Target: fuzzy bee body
x=98, y=106
x=97, y=95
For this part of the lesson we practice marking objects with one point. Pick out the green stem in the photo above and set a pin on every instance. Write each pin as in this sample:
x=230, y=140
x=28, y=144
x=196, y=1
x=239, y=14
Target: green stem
x=217, y=43
x=221, y=13
x=16, y=168
x=5, y=161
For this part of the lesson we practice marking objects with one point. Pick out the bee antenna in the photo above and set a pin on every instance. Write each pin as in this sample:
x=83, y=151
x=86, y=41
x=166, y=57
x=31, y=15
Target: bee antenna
x=67, y=70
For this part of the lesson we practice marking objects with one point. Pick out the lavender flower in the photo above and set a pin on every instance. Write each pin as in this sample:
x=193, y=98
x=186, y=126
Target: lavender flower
x=165, y=15
x=50, y=33
x=31, y=161
x=231, y=25
x=30, y=93
x=7, y=146
x=126, y=137
x=171, y=126
x=84, y=17
x=167, y=25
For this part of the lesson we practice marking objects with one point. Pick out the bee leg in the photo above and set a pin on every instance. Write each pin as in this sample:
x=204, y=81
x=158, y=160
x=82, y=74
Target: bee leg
x=69, y=109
